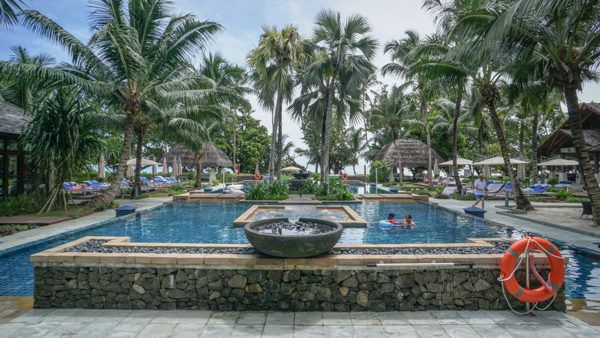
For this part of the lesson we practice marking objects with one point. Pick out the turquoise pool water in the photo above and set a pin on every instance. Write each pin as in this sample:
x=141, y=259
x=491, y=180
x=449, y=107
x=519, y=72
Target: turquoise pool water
x=212, y=223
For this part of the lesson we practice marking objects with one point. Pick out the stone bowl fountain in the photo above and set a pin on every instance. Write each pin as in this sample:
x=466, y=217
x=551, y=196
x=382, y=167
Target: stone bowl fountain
x=281, y=238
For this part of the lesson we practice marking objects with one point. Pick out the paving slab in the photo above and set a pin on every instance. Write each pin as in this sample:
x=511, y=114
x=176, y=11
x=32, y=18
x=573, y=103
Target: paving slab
x=144, y=323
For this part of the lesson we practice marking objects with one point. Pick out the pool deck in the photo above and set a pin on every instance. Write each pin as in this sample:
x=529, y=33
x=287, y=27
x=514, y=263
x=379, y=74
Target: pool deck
x=41, y=233
x=148, y=323
x=498, y=215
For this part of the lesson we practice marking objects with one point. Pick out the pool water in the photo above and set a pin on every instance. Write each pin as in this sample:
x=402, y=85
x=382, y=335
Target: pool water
x=213, y=223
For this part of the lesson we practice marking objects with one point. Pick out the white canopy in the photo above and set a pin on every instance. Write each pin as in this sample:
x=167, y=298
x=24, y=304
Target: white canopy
x=558, y=162
x=290, y=169
x=145, y=162
x=459, y=161
x=498, y=160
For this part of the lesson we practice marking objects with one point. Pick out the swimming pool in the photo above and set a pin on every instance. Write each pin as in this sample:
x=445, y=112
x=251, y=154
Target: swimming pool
x=212, y=223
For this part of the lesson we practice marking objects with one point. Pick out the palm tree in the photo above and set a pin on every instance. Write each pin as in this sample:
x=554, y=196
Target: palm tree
x=9, y=10
x=404, y=57
x=136, y=62
x=273, y=63
x=63, y=140
x=357, y=146
x=23, y=91
x=565, y=33
x=339, y=67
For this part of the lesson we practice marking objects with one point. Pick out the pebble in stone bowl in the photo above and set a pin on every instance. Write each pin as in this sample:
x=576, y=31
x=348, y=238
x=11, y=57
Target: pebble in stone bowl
x=281, y=238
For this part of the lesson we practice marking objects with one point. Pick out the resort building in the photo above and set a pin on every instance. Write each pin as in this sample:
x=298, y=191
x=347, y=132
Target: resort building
x=15, y=167
x=560, y=143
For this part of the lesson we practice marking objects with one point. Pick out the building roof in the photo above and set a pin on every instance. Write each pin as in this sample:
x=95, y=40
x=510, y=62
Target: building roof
x=212, y=156
x=13, y=120
x=411, y=153
x=562, y=137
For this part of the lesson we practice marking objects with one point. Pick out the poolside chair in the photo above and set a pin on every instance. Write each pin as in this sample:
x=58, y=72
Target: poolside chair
x=536, y=189
x=587, y=209
x=449, y=191
x=496, y=188
x=564, y=184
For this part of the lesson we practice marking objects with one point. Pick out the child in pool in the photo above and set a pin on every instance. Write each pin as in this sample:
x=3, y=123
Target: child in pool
x=391, y=218
x=408, y=220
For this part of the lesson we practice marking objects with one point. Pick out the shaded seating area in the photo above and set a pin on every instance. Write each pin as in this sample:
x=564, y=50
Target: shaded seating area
x=407, y=153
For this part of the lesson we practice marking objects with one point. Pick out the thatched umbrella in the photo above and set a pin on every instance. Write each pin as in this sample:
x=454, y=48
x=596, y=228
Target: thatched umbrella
x=406, y=153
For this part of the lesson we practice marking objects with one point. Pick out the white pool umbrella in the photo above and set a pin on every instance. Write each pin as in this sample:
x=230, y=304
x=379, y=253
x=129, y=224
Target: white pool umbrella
x=101, y=165
x=145, y=162
x=175, y=166
x=165, y=166
x=290, y=169
x=559, y=162
x=499, y=160
x=459, y=161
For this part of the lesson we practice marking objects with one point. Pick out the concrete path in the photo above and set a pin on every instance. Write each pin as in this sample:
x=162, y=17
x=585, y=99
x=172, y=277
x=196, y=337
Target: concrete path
x=147, y=323
x=44, y=232
x=494, y=214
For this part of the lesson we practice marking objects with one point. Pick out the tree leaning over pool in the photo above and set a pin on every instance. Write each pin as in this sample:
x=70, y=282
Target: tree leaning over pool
x=137, y=61
x=569, y=42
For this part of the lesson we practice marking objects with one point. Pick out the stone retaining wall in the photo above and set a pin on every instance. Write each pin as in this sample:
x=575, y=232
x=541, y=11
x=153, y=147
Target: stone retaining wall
x=230, y=288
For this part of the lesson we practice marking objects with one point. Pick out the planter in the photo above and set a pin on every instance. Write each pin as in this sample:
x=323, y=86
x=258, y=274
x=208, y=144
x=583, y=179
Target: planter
x=283, y=241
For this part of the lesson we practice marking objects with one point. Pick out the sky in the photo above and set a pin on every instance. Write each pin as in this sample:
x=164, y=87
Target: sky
x=242, y=21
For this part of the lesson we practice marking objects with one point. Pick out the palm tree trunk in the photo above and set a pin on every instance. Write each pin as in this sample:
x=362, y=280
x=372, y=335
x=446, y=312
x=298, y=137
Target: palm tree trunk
x=520, y=199
x=274, y=133
x=137, y=182
x=327, y=136
x=278, y=111
x=534, y=145
x=425, y=113
x=354, y=168
x=455, y=141
x=581, y=149
x=199, y=159
x=521, y=137
x=108, y=196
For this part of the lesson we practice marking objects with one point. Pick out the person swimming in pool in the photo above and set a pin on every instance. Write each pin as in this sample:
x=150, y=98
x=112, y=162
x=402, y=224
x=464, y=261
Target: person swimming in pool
x=391, y=218
x=408, y=220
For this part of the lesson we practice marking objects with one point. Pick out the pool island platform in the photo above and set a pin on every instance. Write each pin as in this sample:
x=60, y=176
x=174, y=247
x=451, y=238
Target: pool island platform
x=342, y=214
x=114, y=273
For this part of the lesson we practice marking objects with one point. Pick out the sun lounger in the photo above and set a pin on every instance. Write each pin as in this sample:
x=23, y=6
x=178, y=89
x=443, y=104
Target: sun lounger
x=563, y=184
x=449, y=191
x=496, y=188
x=536, y=189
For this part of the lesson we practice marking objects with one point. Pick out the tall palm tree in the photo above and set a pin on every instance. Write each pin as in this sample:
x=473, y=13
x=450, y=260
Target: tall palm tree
x=273, y=63
x=565, y=33
x=336, y=72
x=136, y=62
x=404, y=57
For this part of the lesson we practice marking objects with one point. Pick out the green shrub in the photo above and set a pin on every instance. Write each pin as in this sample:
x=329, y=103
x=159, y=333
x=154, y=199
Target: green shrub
x=229, y=177
x=18, y=205
x=267, y=191
x=563, y=194
x=9, y=229
x=338, y=191
x=383, y=172
x=315, y=176
x=553, y=180
x=423, y=192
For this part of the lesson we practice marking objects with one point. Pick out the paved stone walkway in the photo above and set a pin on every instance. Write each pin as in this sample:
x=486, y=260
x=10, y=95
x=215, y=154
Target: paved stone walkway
x=40, y=233
x=124, y=323
x=493, y=214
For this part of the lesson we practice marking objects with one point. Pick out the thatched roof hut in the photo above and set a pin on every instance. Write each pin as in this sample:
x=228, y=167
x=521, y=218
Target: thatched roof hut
x=410, y=153
x=212, y=156
x=13, y=119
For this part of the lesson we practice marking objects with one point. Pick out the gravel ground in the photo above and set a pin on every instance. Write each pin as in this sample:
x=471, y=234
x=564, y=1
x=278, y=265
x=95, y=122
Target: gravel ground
x=96, y=246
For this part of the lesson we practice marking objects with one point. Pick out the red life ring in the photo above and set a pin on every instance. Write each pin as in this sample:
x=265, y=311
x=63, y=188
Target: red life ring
x=257, y=176
x=509, y=265
x=344, y=176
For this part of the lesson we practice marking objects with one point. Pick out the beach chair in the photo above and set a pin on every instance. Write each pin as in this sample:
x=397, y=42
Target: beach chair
x=496, y=188
x=536, y=189
x=564, y=184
